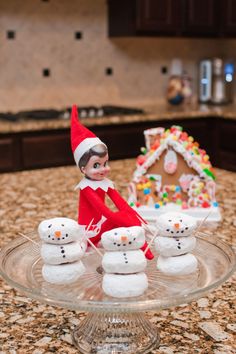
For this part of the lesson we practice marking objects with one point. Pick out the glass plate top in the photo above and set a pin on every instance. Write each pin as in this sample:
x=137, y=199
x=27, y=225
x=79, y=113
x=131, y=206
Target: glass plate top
x=21, y=267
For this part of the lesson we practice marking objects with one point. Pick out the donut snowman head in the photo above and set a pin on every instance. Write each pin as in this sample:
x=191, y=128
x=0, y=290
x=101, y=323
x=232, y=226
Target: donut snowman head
x=123, y=238
x=59, y=231
x=176, y=224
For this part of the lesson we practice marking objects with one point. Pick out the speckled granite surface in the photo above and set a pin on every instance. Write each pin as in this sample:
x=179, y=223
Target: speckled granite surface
x=30, y=327
x=155, y=112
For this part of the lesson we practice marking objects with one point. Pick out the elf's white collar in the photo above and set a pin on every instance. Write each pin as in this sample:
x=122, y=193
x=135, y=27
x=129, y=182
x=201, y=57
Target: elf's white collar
x=104, y=184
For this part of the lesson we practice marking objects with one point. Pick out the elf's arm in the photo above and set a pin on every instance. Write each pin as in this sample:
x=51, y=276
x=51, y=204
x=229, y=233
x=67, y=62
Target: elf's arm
x=121, y=204
x=119, y=218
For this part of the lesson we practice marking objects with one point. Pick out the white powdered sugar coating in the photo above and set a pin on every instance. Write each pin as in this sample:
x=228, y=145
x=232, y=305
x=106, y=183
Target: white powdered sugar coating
x=124, y=262
x=174, y=224
x=67, y=253
x=175, y=246
x=175, y=241
x=121, y=286
x=62, y=248
x=63, y=273
x=59, y=231
x=123, y=238
x=180, y=265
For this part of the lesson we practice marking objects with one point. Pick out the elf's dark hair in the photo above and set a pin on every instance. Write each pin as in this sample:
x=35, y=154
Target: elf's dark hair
x=97, y=150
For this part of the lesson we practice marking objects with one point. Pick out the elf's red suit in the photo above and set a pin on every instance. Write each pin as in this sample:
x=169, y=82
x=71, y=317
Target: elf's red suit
x=92, y=207
x=92, y=191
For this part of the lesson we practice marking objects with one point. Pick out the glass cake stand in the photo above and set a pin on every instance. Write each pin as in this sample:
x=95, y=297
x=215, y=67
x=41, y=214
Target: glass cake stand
x=115, y=325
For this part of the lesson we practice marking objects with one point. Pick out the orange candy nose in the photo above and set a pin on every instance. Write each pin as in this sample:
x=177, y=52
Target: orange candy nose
x=176, y=226
x=57, y=233
x=124, y=238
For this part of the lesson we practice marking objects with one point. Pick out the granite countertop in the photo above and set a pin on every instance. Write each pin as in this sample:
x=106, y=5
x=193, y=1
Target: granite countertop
x=28, y=326
x=161, y=111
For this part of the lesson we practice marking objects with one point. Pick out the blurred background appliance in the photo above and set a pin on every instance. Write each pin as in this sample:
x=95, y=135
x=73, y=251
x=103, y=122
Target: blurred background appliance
x=205, y=76
x=216, y=80
x=84, y=112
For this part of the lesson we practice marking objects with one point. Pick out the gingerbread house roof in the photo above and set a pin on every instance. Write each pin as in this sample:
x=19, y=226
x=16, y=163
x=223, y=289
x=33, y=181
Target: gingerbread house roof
x=181, y=143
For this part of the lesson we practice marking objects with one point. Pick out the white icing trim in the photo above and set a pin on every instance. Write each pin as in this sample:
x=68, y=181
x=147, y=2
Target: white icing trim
x=84, y=146
x=104, y=184
x=178, y=147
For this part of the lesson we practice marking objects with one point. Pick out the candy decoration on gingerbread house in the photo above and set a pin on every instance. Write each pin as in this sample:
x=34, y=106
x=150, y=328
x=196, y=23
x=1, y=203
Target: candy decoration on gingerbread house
x=173, y=174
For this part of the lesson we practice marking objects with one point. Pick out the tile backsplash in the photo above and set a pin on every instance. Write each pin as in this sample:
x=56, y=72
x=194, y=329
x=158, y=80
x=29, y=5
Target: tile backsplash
x=56, y=53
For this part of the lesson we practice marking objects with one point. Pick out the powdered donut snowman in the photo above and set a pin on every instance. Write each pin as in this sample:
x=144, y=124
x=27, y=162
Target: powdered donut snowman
x=175, y=244
x=62, y=248
x=123, y=262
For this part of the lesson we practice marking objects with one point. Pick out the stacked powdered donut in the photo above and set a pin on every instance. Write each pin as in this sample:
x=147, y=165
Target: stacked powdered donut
x=123, y=262
x=62, y=248
x=174, y=244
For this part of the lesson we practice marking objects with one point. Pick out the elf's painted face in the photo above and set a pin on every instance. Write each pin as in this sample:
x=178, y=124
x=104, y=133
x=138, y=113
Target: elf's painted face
x=97, y=168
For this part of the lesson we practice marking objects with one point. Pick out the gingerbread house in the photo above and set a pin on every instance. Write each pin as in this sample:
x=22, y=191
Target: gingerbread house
x=173, y=173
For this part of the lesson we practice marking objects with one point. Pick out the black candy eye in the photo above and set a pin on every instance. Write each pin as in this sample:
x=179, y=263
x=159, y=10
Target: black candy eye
x=115, y=233
x=169, y=220
x=167, y=230
x=49, y=226
x=62, y=225
x=181, y=220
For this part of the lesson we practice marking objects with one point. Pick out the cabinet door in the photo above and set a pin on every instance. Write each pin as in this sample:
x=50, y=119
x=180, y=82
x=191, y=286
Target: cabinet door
x=228, y=13
x=201, y=18
x=46, y=150
x=158, y=16
x=9, y=154
x=227, y=144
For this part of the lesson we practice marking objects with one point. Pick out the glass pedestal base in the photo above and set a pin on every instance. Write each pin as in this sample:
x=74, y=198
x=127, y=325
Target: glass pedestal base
x=116, y=325
x=115, y=333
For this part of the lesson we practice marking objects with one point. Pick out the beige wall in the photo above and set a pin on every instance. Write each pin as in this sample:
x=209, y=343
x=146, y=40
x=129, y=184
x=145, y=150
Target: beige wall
x=45, y=39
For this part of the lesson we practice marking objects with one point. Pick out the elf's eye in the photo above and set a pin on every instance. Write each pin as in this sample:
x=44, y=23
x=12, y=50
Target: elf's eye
x=49, y=226
x=96, y=165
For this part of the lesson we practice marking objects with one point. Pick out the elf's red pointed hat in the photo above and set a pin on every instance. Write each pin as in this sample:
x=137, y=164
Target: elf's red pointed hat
x=82, y=139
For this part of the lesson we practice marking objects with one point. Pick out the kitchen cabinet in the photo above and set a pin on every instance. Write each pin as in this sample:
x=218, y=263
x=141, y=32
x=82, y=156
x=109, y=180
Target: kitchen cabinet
x=200, y=18
x=9, y=153
x=228, y=16
x=50, y=148
x=227, y=145
x=185, y=18
x=47, y=149
x=157, y=16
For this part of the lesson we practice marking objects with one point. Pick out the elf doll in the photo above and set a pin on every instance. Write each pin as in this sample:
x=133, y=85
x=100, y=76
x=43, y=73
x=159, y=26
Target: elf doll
x=91, y=156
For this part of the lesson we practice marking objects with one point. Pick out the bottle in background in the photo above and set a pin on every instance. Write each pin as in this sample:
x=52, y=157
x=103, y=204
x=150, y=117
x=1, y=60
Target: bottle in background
x=175, y=85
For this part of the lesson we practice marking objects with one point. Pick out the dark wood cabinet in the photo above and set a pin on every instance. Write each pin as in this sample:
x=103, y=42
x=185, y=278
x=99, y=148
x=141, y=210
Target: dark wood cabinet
x=228, y=18
x=185, y=18
x=9, y=154
x=200, y=18
x=161, y=17
x=50, y=148
x=227, y=145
